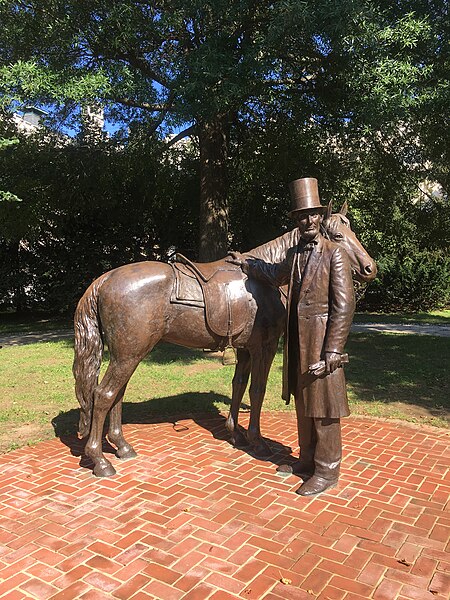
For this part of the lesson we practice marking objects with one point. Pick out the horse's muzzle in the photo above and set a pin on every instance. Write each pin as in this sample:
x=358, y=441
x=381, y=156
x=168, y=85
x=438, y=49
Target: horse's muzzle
x=368, y=272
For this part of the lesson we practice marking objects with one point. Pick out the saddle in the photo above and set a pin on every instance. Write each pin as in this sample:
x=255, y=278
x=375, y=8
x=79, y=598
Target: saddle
x=218, y=287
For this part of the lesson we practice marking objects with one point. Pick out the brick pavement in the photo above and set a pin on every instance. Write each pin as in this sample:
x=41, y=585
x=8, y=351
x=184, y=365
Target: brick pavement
x=194, y=518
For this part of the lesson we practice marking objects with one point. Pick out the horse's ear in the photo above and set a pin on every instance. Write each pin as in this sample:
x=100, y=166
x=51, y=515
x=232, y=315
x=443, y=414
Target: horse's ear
x=344, y=209
x=329, y=210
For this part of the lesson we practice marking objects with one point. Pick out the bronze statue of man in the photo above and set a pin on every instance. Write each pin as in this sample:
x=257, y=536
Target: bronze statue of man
x=320, y=310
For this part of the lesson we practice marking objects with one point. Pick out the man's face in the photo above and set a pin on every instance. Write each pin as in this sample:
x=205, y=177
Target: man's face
x=309, y=224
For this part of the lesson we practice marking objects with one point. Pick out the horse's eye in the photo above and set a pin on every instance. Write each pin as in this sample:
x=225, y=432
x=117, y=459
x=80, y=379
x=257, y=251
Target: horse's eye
x=338, y=236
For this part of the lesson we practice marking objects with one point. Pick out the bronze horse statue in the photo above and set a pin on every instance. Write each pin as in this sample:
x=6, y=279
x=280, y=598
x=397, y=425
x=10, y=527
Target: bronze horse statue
x=131, y=309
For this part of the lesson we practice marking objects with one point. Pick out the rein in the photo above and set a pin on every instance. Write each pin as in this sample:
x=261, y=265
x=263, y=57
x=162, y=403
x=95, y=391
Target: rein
x=324, y=232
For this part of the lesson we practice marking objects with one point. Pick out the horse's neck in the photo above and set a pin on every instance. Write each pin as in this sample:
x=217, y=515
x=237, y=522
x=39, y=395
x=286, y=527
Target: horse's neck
x=275, y=251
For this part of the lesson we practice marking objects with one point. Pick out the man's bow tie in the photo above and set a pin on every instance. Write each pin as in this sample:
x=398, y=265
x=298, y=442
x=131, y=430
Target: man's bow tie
x=309, y=246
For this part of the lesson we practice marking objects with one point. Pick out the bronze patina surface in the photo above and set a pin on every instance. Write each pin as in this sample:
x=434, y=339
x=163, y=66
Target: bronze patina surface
x=320, y=308
x=133, y=307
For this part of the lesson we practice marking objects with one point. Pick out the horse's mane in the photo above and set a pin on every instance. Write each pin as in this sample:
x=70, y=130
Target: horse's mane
x=275, y=250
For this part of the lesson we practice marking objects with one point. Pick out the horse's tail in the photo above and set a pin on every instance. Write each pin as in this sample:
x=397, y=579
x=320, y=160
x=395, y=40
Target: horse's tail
x=88, y=352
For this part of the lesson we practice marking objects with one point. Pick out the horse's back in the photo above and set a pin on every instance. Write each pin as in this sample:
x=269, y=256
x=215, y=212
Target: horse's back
x=133, y=302
x=136, y=283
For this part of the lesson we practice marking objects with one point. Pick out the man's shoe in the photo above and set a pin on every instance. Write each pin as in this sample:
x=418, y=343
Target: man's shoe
x=316, y=485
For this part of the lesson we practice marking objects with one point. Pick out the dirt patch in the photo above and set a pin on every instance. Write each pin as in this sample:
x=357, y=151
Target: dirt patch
x=404, y=412
x=425, y=427
x=21, y=435
x=421, y=412
x=203, y=367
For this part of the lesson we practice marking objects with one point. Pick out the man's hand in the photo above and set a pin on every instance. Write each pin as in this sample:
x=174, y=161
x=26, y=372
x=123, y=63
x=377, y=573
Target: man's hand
x=236, y=258
x=332, y=361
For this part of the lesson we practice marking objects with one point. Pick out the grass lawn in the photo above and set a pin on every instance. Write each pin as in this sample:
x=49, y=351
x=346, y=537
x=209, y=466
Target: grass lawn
x=434, y=317
x=389, y=375
x=10, y=323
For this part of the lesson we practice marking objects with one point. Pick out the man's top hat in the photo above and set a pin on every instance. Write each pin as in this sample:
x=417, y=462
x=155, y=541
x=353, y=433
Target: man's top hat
x=304, y=196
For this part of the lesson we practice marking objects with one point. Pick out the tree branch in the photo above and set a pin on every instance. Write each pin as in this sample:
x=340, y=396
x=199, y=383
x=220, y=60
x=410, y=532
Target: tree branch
x=144, y=105
x=156, y=124
x=163, y=109
x=142, y=65
x=185, y=133
x=134, y=60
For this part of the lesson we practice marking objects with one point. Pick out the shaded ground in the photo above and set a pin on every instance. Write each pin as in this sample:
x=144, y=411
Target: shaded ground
x=412, y=328
x=389, y=370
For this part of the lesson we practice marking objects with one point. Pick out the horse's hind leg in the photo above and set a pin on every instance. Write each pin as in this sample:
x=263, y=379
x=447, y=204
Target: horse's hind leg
x=240, y=381
x=107, y=392
x=115, y=432
x=261, y=362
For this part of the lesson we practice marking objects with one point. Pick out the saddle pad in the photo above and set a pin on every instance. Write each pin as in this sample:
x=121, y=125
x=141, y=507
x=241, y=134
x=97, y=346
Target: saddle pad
x=186, y=289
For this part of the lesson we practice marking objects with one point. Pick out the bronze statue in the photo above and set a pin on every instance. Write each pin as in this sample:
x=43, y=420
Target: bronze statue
x=320, y=309
x=211, y=305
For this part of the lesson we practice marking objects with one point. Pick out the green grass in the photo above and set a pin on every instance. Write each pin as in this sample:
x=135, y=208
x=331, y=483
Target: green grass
x=434, y=317
x=389, y=375
x=400, y=376
x=12, y=323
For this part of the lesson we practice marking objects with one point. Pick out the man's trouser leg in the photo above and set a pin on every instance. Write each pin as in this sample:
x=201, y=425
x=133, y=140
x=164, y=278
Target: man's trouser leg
x=307, y=440
x=327, y=457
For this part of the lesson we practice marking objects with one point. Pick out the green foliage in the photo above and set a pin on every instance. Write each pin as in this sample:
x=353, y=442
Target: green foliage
x=183, y=62
x=351, y=92
x=411, y=281
x=7, y=196
x=5, y=143
x=85, y=210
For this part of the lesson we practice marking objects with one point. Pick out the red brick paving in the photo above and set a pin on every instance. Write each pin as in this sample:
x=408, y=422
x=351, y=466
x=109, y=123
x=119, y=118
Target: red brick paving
x=194, y=518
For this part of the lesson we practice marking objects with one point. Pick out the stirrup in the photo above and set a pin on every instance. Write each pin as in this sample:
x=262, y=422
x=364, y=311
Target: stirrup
x=229, y=356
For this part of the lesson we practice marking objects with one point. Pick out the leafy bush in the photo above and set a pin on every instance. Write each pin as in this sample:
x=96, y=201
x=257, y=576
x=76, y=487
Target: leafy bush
x=413, y=280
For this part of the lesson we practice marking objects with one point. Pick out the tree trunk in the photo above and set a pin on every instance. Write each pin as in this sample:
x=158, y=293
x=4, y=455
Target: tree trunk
x=213, y=138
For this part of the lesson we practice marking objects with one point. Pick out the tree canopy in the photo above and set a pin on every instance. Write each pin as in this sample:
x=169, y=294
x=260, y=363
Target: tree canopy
x=350, y=91
x=367, y=69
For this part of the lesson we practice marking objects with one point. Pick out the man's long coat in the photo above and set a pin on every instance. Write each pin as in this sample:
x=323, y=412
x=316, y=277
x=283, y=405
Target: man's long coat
x=324, y=314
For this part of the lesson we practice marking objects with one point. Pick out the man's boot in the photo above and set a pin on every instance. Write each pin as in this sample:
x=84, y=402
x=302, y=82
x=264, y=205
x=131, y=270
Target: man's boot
x=327, y=458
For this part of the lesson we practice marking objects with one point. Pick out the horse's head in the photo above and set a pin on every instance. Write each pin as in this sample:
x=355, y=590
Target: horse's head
x=337, y=229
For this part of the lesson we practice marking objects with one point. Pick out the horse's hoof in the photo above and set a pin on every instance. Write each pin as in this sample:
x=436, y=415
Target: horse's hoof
x=262, y=450
x=239, y=440
x=126, y=453
x=104, y=470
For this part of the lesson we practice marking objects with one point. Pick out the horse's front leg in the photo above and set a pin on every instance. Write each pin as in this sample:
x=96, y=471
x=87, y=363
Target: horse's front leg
x=240, y=381
x=261, y=363
x=115, y=432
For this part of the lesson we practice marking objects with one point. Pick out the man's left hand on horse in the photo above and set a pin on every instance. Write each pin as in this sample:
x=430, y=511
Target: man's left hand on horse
x=236, y=258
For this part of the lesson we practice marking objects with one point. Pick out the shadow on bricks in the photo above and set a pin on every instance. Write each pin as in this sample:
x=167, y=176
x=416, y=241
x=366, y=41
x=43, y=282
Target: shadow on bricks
x=168, y=409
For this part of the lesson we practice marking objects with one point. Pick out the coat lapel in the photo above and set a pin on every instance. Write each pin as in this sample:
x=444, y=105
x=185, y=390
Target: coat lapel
x=311, y=267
